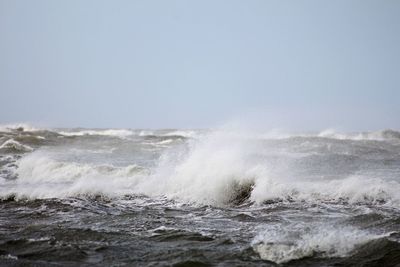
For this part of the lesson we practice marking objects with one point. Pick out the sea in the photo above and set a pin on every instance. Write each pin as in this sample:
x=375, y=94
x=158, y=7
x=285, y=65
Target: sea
x=209, y=197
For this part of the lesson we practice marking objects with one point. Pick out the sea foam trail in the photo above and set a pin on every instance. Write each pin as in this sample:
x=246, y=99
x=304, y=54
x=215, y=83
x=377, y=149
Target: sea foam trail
x=220, y=168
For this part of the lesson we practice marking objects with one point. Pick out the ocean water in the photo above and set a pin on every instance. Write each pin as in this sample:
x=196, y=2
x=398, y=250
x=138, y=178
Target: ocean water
x=223, y=197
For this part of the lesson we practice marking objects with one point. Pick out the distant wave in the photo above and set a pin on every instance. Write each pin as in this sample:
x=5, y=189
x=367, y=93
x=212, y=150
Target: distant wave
x=23, y=130
x=18, y=126
x=122, y=133
x=378, y=135
x=381, y=135
x=108, y=132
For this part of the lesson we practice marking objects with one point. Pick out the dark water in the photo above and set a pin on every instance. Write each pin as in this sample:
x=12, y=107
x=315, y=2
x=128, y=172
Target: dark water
x=81, y=197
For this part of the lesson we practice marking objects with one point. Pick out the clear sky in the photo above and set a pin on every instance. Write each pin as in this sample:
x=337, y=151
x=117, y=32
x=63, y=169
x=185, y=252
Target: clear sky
x=193, y=64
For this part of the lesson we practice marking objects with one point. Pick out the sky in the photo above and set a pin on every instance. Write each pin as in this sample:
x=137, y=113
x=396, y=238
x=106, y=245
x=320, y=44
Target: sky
x=300, y=65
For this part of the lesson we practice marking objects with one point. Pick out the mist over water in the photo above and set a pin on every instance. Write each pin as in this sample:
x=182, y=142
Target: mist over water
x=229, y=196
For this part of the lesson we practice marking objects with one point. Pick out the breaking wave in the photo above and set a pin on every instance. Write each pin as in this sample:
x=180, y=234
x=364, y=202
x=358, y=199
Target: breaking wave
x=219, y=169
x=42, y=177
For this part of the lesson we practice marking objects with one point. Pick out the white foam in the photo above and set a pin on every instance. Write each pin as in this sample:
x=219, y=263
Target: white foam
x=283, y=243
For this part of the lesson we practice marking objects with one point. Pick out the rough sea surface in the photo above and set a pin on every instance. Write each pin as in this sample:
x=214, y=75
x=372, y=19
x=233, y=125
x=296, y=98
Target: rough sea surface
x=223, y=197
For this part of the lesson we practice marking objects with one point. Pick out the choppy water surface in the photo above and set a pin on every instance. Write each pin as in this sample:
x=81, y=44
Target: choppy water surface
x=88, y=197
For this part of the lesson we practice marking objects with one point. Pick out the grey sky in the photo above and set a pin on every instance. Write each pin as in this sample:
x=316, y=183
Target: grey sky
x=139, y=64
